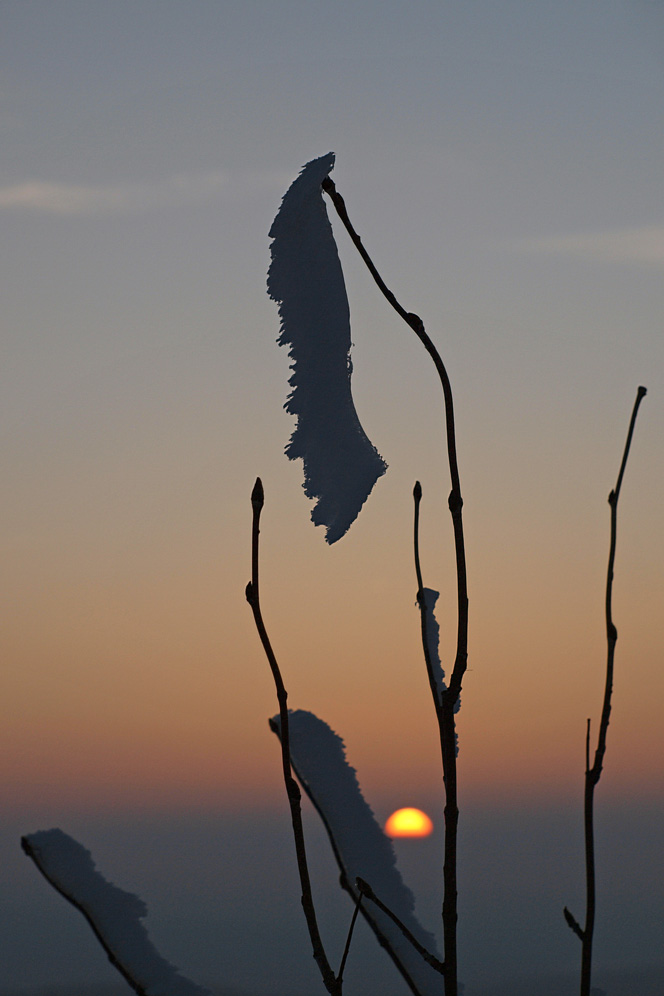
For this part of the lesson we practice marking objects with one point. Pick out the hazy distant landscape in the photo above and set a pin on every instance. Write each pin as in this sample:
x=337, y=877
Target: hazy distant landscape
x=640, y=982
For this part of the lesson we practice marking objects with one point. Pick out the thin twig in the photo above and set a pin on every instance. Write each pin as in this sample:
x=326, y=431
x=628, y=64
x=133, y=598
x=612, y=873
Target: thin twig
x=573, y=923
x=340, y=973
x=366, y=890
x=593, y=773
x=332, y=984
x=450, y=696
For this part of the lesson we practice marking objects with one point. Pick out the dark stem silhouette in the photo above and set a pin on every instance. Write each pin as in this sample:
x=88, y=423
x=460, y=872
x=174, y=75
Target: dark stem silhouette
x=366, y=890
x=593, y=773
x=446, y=709
x=349, y=938
x=330, y=980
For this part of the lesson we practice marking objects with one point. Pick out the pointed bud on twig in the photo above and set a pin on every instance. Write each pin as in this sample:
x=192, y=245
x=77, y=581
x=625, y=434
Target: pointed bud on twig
x=249, y=593
x=257, y=495
x=417, y=491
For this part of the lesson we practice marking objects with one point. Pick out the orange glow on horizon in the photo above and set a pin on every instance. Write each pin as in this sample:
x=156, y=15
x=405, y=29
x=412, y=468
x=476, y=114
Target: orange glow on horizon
x=408, y=822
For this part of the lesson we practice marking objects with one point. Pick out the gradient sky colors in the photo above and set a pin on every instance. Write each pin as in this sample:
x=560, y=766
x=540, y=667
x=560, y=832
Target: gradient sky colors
x=503, y=164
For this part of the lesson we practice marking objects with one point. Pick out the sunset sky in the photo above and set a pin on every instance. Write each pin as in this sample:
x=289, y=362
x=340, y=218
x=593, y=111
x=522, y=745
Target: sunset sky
x=503, y=164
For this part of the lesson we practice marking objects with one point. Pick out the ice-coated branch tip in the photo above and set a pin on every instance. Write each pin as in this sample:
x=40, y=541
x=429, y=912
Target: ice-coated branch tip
x=341, y=464
x=115, y=916
x=258, y=495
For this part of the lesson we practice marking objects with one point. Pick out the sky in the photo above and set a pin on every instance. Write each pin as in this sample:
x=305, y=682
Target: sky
x=502, y=163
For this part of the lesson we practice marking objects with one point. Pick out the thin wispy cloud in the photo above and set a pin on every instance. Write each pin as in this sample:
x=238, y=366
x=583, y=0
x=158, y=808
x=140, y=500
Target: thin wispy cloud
x=75, y=199
x=644, y=244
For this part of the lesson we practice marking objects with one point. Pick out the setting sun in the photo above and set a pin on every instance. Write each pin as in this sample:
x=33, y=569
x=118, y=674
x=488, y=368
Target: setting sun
x=408, y=822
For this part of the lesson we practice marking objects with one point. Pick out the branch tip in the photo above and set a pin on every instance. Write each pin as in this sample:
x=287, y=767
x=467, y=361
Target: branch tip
x=257, y=494
x=417, y=491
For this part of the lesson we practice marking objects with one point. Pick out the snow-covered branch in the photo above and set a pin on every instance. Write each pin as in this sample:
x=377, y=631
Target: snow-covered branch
x=114, y=915
x=360, y=847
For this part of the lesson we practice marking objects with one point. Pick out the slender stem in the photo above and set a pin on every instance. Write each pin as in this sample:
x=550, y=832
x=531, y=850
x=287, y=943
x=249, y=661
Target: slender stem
x=445, y=714
x=593, y=773
x=366, y=890
x=344, y=957
x=332, y=984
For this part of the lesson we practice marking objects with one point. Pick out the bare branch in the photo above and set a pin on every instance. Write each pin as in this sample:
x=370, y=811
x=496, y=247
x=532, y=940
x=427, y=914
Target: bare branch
x=450, y=696
x=332, y=984
x=366, y=890
x=344, y=957
x=593, y=773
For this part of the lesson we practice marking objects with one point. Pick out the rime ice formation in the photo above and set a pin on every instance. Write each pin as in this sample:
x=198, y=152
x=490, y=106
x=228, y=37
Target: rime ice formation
x=114, y=915
x=433, y=637
x=305, y=278
x=431, y=596
x=360, y=846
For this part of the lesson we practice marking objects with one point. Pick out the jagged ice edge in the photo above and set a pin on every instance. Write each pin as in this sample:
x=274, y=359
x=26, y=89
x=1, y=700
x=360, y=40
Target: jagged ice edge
x=359, y=844
x=305, y=278
x=114, y=915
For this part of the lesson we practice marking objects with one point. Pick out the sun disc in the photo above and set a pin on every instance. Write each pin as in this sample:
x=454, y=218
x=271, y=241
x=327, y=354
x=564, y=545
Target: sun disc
x=408, y=822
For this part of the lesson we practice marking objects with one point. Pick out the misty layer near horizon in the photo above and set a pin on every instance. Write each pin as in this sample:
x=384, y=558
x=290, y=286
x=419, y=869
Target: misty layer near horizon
x=223, y=902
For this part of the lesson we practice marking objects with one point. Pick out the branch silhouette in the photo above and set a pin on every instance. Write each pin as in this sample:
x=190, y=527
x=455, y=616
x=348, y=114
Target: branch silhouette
x=450, y=696
x=593, y=773
x=366, y=890
x=331, y=982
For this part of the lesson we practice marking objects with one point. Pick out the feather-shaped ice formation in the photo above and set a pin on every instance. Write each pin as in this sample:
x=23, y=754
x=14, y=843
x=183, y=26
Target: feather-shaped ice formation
x=305, y=278
x=359, y=845
x=114, y=915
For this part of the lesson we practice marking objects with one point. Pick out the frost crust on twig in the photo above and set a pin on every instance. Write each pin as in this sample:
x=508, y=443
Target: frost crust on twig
x=305, y=278
x=359, y=844
x=114, y=915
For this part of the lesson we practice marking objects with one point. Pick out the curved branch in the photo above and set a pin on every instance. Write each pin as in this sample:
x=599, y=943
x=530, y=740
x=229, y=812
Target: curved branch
x=450, y=696
x=332, y=984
